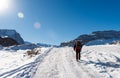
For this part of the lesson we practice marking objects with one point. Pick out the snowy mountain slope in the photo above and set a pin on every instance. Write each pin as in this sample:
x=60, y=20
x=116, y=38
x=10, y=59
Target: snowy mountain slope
x=102, y=41
x=102, y=61
x=96, y=35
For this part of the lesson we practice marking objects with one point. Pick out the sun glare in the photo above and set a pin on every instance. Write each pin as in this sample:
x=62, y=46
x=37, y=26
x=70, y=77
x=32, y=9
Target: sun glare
x=4, y=4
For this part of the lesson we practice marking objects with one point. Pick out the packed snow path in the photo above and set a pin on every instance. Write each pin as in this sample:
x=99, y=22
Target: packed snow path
x=61, y=63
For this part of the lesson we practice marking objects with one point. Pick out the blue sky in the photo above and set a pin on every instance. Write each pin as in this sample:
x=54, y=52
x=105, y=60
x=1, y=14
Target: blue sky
x=56, y=21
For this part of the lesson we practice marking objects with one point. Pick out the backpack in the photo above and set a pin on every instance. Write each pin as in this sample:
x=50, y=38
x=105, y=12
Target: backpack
x=78, y=46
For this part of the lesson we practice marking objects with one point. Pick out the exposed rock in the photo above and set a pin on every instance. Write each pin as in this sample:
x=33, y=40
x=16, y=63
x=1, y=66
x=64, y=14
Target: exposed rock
x=116, y=42
x=10, y=37
x=8, y=42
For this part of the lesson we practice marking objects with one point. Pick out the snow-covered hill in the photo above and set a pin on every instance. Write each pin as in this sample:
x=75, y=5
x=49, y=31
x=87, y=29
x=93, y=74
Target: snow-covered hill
x=101, y=61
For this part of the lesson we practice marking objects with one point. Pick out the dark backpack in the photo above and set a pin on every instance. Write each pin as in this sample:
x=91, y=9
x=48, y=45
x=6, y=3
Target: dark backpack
x=78, y=45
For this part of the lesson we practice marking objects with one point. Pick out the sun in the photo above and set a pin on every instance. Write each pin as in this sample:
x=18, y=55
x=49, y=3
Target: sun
x=4, y=4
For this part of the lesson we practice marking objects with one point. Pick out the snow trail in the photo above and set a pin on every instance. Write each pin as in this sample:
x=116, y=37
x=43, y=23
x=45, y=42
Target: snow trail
x=60, y=63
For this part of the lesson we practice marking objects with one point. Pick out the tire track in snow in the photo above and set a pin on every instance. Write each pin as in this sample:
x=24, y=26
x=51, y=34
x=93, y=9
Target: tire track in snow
x=47, y=67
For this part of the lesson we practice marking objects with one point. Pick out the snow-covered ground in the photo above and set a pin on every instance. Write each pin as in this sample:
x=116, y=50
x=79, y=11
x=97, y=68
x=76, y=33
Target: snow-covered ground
x=18, y=64
x=97, y=62
x=100, y=61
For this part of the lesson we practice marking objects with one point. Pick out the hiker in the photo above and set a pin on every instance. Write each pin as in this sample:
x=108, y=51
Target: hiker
x=77, y=48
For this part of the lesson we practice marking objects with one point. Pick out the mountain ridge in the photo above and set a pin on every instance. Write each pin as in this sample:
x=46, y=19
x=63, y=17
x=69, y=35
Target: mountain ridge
x=96, y=35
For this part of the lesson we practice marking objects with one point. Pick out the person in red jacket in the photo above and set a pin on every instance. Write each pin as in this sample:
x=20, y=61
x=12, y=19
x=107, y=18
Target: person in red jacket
x=77, y=48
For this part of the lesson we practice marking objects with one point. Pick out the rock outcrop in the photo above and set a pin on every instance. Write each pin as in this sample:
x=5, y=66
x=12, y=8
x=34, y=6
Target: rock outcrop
x=10, y=37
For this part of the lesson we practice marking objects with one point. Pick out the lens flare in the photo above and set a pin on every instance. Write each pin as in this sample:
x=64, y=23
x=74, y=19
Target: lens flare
x=20, y=15
x=37, y=25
